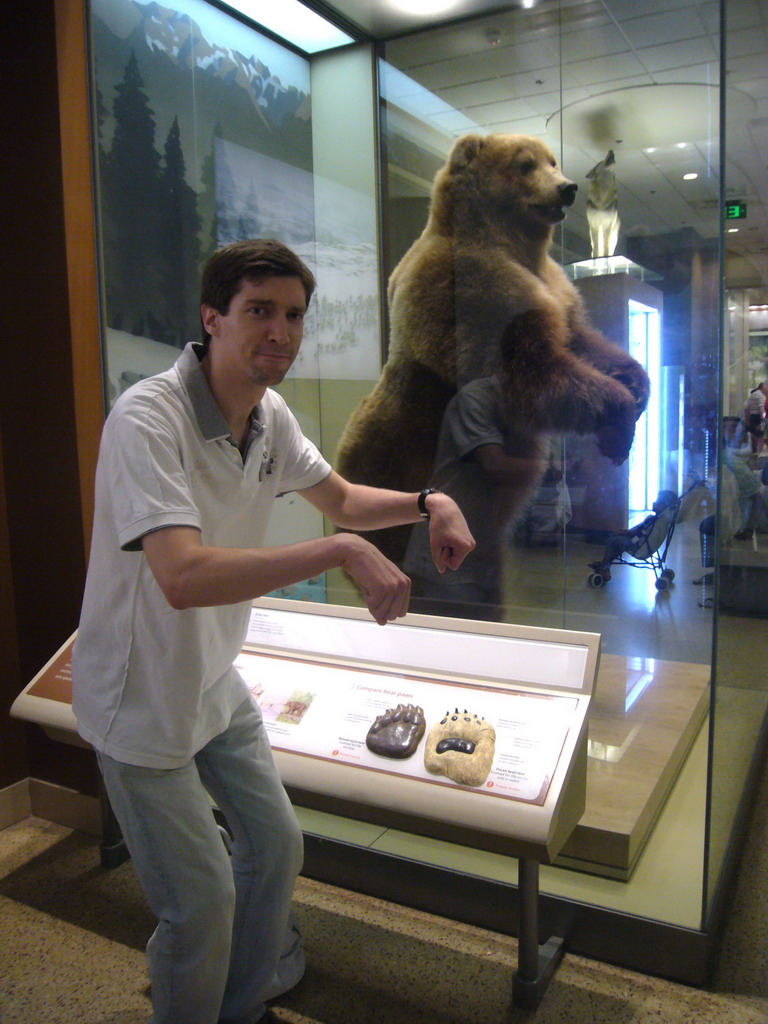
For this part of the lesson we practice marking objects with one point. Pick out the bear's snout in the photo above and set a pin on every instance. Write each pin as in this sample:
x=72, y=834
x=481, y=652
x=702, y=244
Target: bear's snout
x=567, y=192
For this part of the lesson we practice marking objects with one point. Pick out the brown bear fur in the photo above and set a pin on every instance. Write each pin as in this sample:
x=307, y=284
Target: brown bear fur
x=477, y=294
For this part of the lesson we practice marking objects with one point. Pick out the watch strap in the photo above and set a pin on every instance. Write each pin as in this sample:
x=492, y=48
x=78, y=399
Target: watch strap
x=422, y=501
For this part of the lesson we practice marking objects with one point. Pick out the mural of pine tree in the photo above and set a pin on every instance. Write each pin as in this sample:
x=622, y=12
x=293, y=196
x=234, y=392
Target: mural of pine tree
x=132, y=211
x=179, y=244
x=226, y=200
x=101, y=113
x=206, y=203
x=248, y=225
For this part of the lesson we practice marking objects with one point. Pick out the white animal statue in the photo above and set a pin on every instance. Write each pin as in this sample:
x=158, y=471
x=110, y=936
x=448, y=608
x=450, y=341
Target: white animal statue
x=602, y=207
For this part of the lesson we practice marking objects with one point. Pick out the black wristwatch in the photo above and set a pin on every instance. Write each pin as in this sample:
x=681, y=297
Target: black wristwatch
x=423, y=510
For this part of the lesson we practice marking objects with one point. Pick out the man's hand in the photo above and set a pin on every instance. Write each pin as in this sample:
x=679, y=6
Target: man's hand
x=449, y=538
x=386, y=590
x=359, y=507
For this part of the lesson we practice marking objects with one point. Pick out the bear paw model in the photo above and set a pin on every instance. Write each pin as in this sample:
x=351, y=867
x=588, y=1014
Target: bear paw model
x=461, y=746
x=397, y=733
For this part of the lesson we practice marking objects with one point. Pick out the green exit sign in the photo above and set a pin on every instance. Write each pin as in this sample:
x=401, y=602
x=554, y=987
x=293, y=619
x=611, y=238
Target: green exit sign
x=735, y=211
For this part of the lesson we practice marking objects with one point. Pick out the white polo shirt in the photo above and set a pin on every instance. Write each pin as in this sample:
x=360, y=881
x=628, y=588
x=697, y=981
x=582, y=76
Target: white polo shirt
x=151, y=685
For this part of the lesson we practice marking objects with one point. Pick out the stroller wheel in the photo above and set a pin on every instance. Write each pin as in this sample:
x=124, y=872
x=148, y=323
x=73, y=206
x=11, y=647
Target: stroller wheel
x=596, y=579
x=668, y=574
x=662, y=583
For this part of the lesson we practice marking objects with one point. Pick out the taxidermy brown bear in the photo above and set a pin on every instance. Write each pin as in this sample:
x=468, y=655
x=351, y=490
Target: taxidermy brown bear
x=478, y=295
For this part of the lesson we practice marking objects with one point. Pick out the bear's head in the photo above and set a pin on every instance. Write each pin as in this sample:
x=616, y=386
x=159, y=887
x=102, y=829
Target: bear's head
x=512, y=178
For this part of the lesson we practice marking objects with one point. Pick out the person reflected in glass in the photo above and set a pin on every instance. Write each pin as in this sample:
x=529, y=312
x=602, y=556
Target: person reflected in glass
x=492, y=467
x=754, y=416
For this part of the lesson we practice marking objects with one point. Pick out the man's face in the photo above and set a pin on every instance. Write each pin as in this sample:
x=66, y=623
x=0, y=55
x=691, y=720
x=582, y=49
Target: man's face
x=259, y=337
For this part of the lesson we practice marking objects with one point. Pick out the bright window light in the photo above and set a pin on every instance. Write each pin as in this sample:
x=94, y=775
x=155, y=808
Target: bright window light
x=642, y=672
x=293, y=22
x=644, y=456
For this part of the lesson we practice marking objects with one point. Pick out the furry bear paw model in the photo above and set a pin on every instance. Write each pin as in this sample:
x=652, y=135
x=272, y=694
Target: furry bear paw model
x=477, y=295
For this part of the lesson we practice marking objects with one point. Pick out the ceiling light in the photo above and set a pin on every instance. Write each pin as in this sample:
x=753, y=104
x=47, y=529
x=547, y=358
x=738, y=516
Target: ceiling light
x=681, y=145
x=293, y=22
x=692, y=176
x=424, y=6
x=733, y=231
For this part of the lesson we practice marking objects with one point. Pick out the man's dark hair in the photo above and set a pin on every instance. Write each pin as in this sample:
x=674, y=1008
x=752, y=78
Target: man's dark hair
x=251, y=260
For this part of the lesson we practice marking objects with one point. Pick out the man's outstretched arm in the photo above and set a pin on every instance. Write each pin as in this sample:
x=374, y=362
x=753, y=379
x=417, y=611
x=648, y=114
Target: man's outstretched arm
x=192, y=574
x=357, y=507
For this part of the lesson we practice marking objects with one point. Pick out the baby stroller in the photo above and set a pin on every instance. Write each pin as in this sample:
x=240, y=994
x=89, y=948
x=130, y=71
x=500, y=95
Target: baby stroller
x=644, y=546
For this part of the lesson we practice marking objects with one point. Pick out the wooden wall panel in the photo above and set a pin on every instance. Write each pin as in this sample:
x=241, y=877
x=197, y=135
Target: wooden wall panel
x=39, y=427
x=80, y=239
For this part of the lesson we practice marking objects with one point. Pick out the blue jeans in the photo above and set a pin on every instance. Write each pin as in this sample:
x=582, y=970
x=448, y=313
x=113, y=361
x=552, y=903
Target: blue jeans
x=225, y=941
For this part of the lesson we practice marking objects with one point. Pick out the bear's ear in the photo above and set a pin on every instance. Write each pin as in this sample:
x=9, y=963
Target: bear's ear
x=464, y=151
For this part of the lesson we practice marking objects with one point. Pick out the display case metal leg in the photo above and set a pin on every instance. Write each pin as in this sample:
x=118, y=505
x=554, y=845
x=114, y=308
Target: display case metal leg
x=113, y=850
x=536, y=963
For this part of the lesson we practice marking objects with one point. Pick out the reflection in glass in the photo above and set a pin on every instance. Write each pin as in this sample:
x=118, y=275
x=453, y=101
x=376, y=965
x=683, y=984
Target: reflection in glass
x=644, y=458
x=589, y=86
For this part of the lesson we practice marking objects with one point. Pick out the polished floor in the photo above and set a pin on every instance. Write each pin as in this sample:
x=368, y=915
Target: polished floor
x=73, y=935
x=548, y=586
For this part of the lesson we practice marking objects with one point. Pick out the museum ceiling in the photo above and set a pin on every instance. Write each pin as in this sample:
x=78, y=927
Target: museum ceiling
x=636, y=77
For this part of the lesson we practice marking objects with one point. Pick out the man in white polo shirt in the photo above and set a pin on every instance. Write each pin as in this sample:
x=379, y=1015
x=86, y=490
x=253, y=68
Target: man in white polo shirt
x=190, y=463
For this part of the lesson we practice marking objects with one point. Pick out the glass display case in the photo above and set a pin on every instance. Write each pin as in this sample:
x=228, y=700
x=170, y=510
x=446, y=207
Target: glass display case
x=208, y=128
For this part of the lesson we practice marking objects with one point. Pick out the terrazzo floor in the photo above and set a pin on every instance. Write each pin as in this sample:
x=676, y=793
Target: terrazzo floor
x=73, y=936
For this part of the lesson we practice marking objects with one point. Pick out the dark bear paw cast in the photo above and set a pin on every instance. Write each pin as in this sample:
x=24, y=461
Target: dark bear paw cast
x=397, y=733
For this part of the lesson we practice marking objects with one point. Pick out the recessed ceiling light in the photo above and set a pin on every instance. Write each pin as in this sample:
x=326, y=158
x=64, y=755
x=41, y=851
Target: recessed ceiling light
x=733, y=231
x=293, y=22
x=692, y=176
x=681, y=145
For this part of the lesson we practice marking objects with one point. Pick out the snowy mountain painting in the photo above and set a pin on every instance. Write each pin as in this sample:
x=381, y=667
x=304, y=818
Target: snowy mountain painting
x=204, y=135
x=329, y=226
x=202, y=45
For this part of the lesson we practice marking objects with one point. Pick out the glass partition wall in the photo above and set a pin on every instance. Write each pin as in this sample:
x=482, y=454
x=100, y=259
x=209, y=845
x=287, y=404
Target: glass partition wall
x=208, y=129
x=739, y=696
x=636, y=91
x=635, y=123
